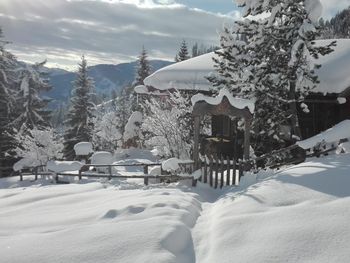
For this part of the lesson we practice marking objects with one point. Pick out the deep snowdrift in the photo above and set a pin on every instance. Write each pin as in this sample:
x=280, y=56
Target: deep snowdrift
x=299, y=214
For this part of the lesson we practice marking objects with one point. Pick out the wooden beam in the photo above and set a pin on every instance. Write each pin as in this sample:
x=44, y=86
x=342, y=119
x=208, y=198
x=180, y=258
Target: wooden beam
x=196, y=142
x=247, y=139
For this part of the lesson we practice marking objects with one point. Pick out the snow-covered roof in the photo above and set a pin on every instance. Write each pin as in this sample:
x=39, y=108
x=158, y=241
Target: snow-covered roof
x=334, y=74
x=191, y=74
x=334, y=134
x=238, y=103
x=186, y=75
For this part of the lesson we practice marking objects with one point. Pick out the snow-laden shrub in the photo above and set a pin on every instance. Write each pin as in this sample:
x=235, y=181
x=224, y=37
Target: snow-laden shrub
x=37, y=147
x=106, y=134
x=132, y=132
x=167, y=126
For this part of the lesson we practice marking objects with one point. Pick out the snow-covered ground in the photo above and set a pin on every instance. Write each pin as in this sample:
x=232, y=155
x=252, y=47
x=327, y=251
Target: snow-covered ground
x=298, y=214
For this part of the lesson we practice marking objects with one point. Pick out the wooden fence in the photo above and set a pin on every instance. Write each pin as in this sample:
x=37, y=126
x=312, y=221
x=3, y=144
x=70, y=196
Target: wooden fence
x=85, y=172
x=218, y=172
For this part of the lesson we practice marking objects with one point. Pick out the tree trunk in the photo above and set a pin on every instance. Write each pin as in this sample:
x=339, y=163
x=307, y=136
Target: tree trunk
x=294, y=112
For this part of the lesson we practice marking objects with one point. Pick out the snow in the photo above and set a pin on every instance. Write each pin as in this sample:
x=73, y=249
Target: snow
x=63, y=166
x=238, y=103
x=133, y=126
x=171, y=165
x=102, y=158
x=83, y=148
x=341, y=100
x=343, y=148
x=141, y=89
x=25, y=163
x=186, y=75
x=297, y=214
x=191, y=74
x=334, y=134
x=334, y=74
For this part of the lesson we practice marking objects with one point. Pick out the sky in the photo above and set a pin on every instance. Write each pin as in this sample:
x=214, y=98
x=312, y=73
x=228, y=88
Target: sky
x=114, y=31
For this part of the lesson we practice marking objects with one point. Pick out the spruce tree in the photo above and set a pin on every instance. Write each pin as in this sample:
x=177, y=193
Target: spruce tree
x=7, y=108
x=273, y=65
x=32, y=108
x=79, y=125
x=143, y=69
x=183, y=52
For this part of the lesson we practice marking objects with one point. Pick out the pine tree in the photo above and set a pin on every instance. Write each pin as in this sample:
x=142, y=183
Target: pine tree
x=7, y=107
x=273, y=65
x=79, y=125
x=183, y=53
x=337, y=27
x=32, y=108
x=143, y=69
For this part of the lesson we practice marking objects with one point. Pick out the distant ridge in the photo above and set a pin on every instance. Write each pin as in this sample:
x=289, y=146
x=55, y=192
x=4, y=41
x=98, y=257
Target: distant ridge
x=107, y=77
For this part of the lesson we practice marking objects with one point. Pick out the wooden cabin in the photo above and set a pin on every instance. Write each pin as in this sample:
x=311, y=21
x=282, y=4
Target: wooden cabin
x=328, y=104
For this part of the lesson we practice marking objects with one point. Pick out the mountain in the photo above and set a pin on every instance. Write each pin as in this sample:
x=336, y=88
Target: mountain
x=106, y=77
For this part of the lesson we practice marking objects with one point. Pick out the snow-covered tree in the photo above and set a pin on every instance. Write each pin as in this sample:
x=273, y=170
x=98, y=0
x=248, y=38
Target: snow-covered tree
x=79, y=125
x=143, y=69
x=8, y=84
x=182, y=55
x=167, y=126
x=106, y=135
x=31, y=107
x=274, y=64
x=132, y=136
x=37, y=147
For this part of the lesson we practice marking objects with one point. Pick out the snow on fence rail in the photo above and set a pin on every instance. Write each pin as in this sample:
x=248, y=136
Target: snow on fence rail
x=84, y=172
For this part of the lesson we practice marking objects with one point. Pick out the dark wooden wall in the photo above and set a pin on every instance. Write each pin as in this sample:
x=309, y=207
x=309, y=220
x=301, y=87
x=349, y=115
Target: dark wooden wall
x=325, y=112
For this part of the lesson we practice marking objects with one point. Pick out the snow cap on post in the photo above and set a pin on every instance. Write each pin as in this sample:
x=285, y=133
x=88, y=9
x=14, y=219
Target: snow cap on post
x=83, y=148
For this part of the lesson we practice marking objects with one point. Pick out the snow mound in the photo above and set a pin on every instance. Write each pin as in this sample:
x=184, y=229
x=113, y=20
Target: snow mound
x=238, y=103
x=91, y=223
x=334, y=134
x=63, y=166
x=25, y=163
x=171, y=165
x=83, y=148
x=298, y=215
x=102, y=158
x=132, y=126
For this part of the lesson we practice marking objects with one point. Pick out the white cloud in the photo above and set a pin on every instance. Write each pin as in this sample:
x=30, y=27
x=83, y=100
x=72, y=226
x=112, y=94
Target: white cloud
x=331, y=7
x=114, y=29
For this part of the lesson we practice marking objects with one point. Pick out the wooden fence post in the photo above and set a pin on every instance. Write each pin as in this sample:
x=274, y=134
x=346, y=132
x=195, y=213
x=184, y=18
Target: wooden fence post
x=222, y=171
x=20, y=175
x=80, y=176
x=211, y=171
x=36, y=173
x=241, y=167
x=228, y=175
x=200, y=165
x=145, y=171
x=234, y=181
x=216, y=172
x=205, y=175
x=110, y=172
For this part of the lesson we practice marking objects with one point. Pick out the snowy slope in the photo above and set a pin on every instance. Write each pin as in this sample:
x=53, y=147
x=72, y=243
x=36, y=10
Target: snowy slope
x=299, y=214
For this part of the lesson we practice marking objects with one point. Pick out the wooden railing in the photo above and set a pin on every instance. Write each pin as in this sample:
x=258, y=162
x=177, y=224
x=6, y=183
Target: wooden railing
x=213, y=171
x=84, y=172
